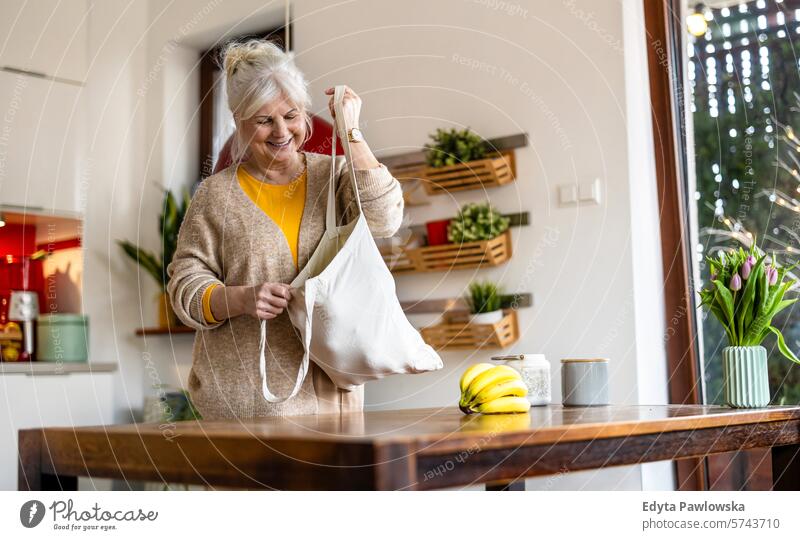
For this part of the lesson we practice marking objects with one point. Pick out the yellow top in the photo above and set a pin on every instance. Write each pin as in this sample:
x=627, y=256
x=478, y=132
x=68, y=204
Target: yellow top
x=283, y=203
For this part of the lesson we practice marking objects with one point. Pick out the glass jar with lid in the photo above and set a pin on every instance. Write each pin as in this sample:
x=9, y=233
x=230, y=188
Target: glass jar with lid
x=535, y=371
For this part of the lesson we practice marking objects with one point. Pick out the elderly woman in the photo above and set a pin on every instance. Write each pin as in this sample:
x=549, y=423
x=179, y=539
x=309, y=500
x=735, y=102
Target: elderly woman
x=249, y=230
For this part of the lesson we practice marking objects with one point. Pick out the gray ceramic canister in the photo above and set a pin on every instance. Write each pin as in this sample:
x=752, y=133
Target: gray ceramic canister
x=584, y=382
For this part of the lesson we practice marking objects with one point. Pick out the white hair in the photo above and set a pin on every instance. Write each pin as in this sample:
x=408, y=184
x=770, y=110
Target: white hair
x=257, y=71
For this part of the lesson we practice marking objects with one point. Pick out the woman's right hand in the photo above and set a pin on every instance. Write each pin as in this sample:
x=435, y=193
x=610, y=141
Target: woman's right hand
x=266, y=301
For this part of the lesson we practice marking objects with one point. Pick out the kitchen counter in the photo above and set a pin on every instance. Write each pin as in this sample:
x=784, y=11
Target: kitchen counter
x=55, y=368
x=406, y=449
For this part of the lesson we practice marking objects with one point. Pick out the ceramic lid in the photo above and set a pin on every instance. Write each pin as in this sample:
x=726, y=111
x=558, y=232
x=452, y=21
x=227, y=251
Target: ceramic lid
x=62, y=318
x=525, y=358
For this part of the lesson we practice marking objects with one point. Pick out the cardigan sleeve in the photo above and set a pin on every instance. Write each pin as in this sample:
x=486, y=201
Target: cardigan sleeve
x=381, y=197
x=195, y=265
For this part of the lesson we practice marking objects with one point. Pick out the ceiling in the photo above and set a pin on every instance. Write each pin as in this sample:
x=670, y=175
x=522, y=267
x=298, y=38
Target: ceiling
x=213, y=36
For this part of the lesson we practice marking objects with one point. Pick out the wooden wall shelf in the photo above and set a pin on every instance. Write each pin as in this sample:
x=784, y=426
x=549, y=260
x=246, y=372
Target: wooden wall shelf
x=55, y=368
x=450, y=256
x=493, y=171
x=455, y=332
x=497, y=170
x=158, y=331
x=440, y=305
x=416, y=158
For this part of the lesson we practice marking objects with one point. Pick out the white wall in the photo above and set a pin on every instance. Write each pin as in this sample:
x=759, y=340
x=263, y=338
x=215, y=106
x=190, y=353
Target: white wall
x=648, y=277
x=117, y=297
x=557, y=72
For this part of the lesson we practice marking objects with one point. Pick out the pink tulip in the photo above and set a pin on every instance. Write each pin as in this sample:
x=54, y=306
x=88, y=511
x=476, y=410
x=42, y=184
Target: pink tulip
x=772, y=276
x=746, y=268
x=736, y=282
x=752, y=260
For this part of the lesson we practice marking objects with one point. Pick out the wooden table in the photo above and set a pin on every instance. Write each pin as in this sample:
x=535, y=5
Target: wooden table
x=409, y=449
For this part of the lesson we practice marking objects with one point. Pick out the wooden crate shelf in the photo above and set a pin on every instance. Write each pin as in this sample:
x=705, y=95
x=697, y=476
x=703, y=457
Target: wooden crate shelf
x=455, y=332
x=417, y=157
x=479, y=174
x=450, y=256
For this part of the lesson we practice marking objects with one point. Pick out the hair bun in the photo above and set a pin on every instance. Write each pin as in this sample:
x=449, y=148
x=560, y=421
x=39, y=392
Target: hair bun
x=234, y=55
x=259, y=52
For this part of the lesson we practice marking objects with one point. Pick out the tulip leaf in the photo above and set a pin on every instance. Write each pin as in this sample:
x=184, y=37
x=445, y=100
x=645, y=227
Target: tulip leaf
x=717, y=311
x=766, y=313
x=783, y=305
x=763, y=288
x=725, y=300
x=785, y=351
x=762, y=336
x=776, y=297
x=746, y=308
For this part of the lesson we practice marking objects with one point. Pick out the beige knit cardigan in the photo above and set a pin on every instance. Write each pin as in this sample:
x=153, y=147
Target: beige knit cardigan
x=226, y=239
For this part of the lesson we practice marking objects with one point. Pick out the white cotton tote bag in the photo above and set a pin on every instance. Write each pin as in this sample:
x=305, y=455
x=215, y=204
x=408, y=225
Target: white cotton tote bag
x=344, y=303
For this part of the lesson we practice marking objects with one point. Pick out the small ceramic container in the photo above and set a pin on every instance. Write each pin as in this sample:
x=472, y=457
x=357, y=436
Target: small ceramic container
x=584, y=382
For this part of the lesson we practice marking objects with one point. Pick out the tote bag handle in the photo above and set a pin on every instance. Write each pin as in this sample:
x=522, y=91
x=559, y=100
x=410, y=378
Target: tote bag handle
x=330, y=215
x=310, y=293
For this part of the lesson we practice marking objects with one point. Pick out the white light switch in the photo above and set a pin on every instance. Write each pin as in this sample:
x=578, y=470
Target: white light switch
x=589, y=192
x=568, y=194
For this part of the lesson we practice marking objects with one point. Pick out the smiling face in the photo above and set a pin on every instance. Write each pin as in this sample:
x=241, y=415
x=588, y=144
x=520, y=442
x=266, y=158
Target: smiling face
x=275, y=133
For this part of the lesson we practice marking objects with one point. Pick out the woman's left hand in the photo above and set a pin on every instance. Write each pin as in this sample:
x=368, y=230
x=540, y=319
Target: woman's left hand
x=351, y=105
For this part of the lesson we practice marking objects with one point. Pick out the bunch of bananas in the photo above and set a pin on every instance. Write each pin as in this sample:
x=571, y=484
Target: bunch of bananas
x=490, y=389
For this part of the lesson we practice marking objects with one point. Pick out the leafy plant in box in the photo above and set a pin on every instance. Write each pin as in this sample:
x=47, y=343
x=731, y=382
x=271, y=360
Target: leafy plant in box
x=452, y=146
x=484, y=297
x=476, y=222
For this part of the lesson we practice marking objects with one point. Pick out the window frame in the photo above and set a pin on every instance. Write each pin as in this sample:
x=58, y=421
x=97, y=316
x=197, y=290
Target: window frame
x=670, y=160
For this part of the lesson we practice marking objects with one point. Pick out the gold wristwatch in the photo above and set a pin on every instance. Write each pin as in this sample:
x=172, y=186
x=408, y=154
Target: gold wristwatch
x=354, y=135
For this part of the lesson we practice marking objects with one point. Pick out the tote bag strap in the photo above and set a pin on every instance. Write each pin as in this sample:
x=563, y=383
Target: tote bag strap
x=303, y=370
x=330, y=218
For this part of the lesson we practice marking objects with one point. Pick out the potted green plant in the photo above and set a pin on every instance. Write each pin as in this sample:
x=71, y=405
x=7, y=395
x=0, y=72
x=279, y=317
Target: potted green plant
x=169, y=223
x=747, y=290
x=484, y=302
x=453, y=146
x=476, y=222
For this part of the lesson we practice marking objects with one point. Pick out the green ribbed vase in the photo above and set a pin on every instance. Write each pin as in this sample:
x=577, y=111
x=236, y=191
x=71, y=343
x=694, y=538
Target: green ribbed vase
x=746, y=380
